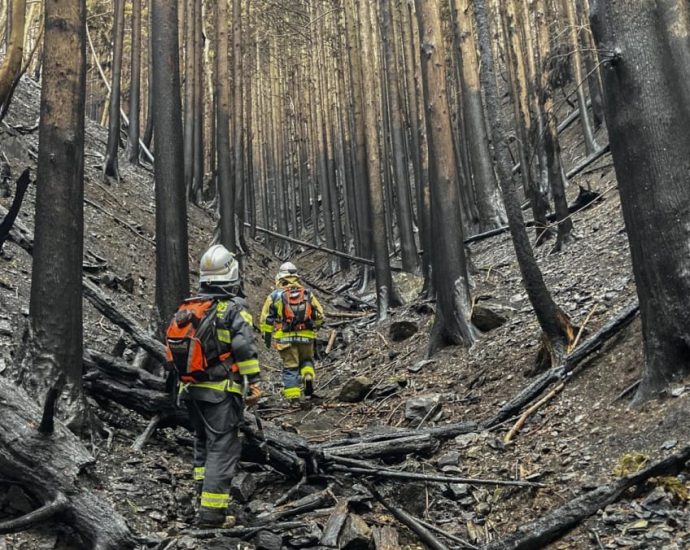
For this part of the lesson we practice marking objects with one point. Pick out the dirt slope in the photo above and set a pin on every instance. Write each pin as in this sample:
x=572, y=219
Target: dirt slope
x=571, y=444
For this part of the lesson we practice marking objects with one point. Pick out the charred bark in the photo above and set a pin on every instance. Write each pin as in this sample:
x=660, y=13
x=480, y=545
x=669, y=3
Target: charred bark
x=55, y=468
x=172, y=261
x=135, y=85
x=647, y=115
x=452, y=323
x=110, y=166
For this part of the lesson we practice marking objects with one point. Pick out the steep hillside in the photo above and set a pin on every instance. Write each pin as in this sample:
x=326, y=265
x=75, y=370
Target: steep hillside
x=572, y=443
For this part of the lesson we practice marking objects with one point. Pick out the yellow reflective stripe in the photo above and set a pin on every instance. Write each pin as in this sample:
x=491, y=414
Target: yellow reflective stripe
x=199, y=473
x=250, y=366
x=278, y=334
x=265, y=327
x=307, y=369
x=224, y=335
x=247, y=317
x=222, y=307
x=215, y=500
x=292, y=393
x=223, y=385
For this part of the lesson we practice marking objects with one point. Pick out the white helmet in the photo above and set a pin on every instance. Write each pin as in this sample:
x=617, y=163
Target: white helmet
x=288, y=269
x=218, y=265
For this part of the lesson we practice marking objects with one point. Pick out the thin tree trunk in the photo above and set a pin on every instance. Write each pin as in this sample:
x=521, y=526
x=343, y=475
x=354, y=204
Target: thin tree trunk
x=12, y=62
x=554, y=323
x=189, y=27
x=135, y=85
x=226, y=192
x=489, y=202
x=590, y=143
x=384, y=280
x=449, y=267
x=198, y=108
x=410, y=261
x=110, y=166
x=172, y=260
x=237, y=124
x=148, y=131
x=551, y=141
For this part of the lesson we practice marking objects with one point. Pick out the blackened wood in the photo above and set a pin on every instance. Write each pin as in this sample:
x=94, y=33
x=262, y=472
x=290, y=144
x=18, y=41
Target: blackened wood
x=8, y=219
x=406, y=519
x=558, y=522
x=50, y=466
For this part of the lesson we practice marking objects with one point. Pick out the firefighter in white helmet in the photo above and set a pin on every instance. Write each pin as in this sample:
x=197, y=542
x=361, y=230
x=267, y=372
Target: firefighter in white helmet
x=290, y=317
x=210, y=344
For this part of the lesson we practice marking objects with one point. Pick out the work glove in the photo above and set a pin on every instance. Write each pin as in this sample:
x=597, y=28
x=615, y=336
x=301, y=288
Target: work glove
x=267, y=340
x=253, y=395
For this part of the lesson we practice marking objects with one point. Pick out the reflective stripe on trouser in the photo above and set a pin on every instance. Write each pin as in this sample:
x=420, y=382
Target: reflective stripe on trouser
x=216, y=453
x=295, y=357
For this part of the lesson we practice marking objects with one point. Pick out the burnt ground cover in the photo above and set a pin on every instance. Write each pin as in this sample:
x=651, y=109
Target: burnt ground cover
x=375, y=376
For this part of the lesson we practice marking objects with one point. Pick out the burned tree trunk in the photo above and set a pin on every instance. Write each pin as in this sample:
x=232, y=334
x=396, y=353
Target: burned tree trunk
x=54, y=468
x=135, y=85
x=12, y=63
x=554, y=323
x=452, y=324
x=384, y=280
x=648, y=115
x=172, y=262
x=55, y=340
x=110, y=166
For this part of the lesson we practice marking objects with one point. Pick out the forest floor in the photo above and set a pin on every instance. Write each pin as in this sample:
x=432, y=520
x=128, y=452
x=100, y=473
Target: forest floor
x=571, y=444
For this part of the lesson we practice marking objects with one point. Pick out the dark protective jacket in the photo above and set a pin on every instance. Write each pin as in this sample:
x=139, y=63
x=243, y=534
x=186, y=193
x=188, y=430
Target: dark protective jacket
x=234, y=333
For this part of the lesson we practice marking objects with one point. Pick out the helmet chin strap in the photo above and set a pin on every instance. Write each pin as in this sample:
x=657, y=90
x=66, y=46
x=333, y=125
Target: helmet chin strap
x=224, y=288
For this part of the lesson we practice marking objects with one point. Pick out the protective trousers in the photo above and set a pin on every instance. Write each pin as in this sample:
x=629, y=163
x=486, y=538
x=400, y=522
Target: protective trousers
x=217, y=449
x=298, y=361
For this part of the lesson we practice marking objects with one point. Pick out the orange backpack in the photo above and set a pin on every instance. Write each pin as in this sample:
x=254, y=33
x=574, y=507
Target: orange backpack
x=297, y=311
x=192, y=346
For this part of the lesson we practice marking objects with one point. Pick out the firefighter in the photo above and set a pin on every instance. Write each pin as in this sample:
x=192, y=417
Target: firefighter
x=290, y=317
x=213, y=390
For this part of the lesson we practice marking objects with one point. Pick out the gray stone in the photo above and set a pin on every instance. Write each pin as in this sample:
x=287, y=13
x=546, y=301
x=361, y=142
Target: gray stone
x=457, y=491
x=426, y=406
x=449, y=459
x=5, y=327
x=402, y=330
x=408, y=286
x=356, y=534
x=243, y=487
x=355, y=389
x=483, y=508
x=486, y=319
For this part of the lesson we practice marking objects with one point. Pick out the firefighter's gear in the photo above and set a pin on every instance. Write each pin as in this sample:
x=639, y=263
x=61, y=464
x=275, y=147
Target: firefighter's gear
x=288, y=269
x=296, y=347
x=216, y=405
x=218, y=265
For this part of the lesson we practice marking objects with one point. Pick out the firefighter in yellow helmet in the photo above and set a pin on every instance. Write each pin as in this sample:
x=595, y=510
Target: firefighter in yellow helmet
x=290, y=317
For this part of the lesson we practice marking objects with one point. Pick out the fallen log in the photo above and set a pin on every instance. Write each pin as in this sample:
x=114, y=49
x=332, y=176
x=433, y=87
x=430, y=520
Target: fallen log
x=356, y=467
x=589, y=160
x=403, y=517
x=19, y=234
x=570, y=363
x=335, y=524
x=140, y=391
x=423, y=443
x=301, y=506
x=122, y=320
x=558, y=522
x=446, y=431
x=11, y=216
x=52, y=468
